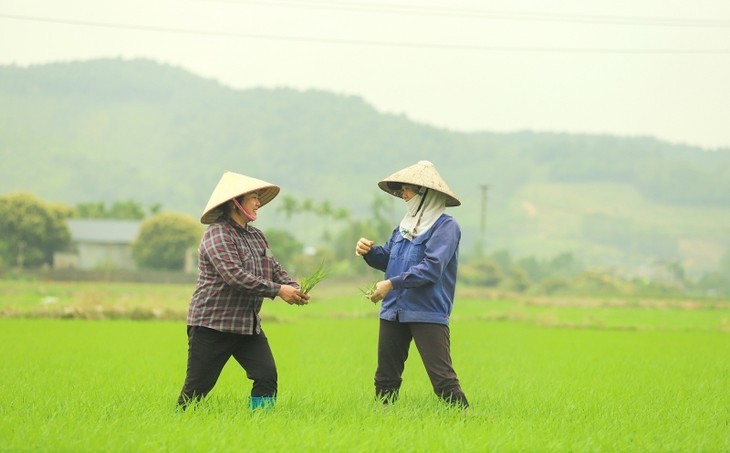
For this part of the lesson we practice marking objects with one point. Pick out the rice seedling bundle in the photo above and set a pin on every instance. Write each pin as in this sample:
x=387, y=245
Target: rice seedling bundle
x=307, y=283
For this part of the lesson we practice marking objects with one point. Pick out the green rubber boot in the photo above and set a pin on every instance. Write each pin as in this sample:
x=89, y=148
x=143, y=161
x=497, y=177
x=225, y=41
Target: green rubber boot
x=261, y=402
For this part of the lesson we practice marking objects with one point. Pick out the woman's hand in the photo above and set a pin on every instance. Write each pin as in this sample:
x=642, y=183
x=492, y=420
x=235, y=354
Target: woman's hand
x=382, y=288
x=292, y=295
x=363, y=246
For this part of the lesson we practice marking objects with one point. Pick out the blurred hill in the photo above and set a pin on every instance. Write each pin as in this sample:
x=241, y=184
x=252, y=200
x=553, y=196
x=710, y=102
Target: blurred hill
x=108, y=130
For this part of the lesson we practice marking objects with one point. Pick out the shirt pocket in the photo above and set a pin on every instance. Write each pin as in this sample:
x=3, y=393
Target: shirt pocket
x=409, y=253
x=251, y=263
x=417, y=252
x=268, y=264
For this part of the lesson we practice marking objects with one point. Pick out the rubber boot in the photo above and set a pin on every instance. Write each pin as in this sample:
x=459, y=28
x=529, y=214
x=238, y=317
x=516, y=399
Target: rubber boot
x=261, y=402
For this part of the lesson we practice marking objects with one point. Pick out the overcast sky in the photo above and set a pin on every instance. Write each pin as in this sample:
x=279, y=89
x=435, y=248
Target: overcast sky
x=657, y=68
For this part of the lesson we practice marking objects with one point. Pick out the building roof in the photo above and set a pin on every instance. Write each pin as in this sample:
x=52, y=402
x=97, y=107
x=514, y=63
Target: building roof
x=104, y=231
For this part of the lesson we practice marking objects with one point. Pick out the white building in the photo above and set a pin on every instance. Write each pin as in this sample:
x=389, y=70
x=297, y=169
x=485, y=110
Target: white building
x=99, y=244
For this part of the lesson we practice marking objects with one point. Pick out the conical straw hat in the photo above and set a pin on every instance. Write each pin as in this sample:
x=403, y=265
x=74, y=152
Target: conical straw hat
x=421, y=174
x=233, y=185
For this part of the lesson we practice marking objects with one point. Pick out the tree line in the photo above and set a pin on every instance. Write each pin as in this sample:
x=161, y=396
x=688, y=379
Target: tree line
x=32, y=230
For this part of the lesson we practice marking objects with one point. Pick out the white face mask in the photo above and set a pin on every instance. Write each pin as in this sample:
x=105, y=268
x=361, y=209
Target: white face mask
x=413, y=204
x=418, y=221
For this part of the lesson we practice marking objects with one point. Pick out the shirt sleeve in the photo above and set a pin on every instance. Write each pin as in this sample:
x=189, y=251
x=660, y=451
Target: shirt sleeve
x=379, y=255
x=440, y=248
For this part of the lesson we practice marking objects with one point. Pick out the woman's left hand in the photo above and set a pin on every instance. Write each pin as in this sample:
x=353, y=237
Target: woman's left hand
x=382, y=288
x=292, y=295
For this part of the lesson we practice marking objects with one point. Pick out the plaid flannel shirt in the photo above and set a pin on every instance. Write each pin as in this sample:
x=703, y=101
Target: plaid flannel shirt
x=236, y=271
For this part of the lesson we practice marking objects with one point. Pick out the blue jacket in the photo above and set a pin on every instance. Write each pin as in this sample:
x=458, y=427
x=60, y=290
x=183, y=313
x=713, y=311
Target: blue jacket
x=423, y=272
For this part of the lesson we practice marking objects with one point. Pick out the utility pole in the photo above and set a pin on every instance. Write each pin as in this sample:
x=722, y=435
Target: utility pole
x=483, y=229
x=481, y=244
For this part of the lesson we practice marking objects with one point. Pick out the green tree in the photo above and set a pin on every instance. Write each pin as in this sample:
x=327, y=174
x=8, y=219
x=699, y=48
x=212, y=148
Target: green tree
x=532, y=266
x=307, y=205
x=553, y=285
x=725, y=261
x=326, y=215
x=503, y=258
x=382, y=212
x=284, y=246
x=483, y=272
x=717, y=282
x=127, y=210
x=344, y=241
x=564, y=264
x=164, y=239
x=91, y=210
x=324, y=209
x=155, y=208
x=119, y=210
x=517, y=278
x=31, y=230
x=289, y=206
x=341, y=214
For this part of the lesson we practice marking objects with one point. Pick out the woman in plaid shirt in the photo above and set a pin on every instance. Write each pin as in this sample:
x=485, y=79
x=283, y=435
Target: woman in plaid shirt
x=236, y=272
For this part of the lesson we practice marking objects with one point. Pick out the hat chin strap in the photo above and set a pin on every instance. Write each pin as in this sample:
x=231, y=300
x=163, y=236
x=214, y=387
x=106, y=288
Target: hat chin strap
x=250, y=217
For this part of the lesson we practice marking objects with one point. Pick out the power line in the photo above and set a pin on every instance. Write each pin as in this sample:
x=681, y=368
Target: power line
x=339, y=41
x=474, y=13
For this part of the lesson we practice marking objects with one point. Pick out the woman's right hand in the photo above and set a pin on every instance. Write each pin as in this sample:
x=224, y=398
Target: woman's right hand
x=363, y=246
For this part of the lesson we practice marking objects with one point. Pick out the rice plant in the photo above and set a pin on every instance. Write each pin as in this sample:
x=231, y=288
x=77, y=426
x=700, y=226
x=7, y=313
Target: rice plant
x=368, y=292
x=71, y=385
x=307, y=283
x=571, y=375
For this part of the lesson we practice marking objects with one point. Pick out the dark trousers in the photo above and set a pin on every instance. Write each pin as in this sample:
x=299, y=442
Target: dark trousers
x=208, y=352
x=434, y=346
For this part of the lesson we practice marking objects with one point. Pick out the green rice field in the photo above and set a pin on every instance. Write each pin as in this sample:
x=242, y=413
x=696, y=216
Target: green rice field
x=76, y=374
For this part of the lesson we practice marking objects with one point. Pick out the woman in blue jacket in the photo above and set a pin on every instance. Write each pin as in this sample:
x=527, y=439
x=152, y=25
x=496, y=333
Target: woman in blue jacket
x=420, y=261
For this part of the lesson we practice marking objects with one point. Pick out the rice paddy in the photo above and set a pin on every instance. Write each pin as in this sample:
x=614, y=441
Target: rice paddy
x=540, y=376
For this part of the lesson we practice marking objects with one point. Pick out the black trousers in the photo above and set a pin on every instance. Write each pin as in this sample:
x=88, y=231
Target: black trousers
x=208, y=352
x=434, y=345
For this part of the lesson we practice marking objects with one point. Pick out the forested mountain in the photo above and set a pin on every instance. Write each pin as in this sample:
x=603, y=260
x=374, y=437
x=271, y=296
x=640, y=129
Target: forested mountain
x=135, y=129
